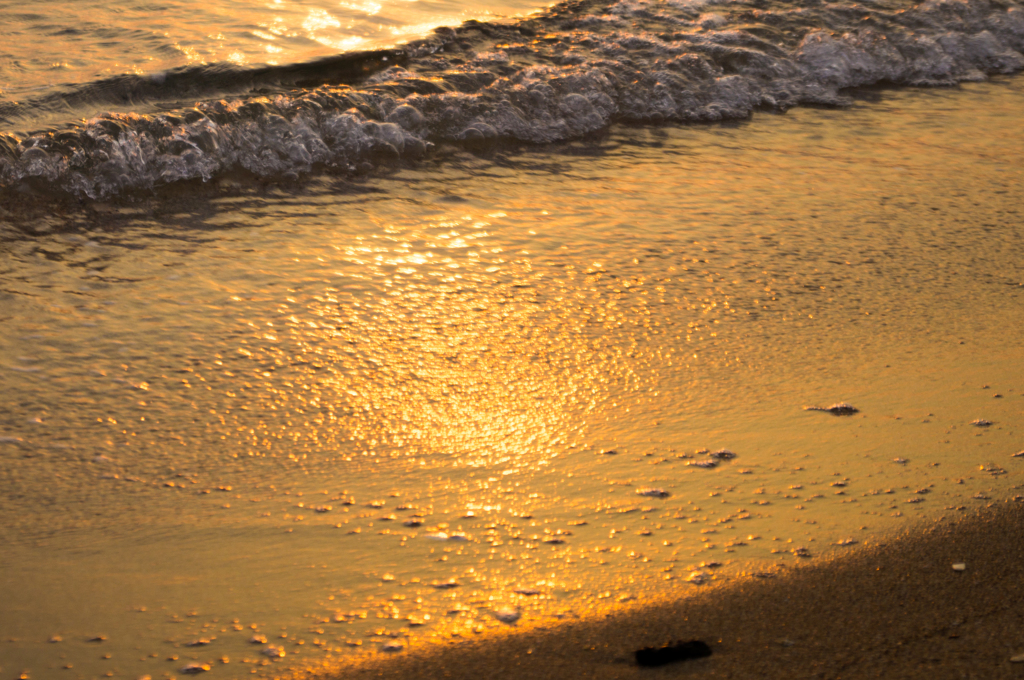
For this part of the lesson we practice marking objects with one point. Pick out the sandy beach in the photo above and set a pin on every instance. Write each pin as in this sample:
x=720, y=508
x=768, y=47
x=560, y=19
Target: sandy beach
x=423, y=424
x=892, y=610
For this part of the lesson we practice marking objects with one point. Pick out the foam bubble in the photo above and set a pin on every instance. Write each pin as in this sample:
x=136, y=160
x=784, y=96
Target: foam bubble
x=550, y=78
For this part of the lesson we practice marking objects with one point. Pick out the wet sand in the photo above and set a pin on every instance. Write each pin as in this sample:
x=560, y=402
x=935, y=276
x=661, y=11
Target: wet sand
x=174, y=471
x=892, y=610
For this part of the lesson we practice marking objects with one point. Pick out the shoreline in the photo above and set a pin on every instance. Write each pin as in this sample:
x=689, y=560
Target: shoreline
x=891, y=610
x=914, y=325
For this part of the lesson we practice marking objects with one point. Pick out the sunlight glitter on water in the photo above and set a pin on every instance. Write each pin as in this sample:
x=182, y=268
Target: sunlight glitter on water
x=425, y=405
x=51, y=46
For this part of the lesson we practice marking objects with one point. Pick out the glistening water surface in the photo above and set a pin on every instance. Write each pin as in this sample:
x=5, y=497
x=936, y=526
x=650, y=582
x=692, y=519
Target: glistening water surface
x=572, y=70
x=349, y=418
x=48, y=47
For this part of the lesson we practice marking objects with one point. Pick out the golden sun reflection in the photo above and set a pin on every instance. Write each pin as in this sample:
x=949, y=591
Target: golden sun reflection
x=373, y=418
x=369, y=7
x=436, y=341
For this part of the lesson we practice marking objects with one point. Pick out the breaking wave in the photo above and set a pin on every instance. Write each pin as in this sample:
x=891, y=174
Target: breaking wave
x=573, y=70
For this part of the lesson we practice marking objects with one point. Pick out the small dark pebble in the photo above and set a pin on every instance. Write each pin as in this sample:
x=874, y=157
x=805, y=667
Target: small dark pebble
x=680, y=651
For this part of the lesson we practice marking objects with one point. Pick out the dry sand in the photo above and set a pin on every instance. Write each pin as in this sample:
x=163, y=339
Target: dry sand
x=891, y=610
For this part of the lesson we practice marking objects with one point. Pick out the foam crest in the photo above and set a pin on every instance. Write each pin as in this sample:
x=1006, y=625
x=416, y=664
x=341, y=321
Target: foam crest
x=559, y=76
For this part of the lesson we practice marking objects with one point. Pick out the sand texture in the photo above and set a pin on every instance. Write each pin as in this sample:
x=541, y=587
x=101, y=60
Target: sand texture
x=891, y=610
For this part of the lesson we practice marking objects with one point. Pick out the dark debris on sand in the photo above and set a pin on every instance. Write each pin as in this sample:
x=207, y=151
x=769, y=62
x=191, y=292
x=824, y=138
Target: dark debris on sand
x=681, y=651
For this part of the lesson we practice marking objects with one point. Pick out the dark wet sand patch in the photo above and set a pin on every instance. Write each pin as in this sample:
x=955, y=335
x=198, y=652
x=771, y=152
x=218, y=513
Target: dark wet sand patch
x=891, y=610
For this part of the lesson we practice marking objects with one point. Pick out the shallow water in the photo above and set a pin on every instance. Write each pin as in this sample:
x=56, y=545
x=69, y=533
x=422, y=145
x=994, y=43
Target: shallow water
x=570, y=71
x=51, y=46
x=221, y=410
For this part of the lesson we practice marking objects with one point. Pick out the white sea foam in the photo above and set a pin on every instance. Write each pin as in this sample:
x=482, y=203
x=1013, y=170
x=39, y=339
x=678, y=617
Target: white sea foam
x=680, y=61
